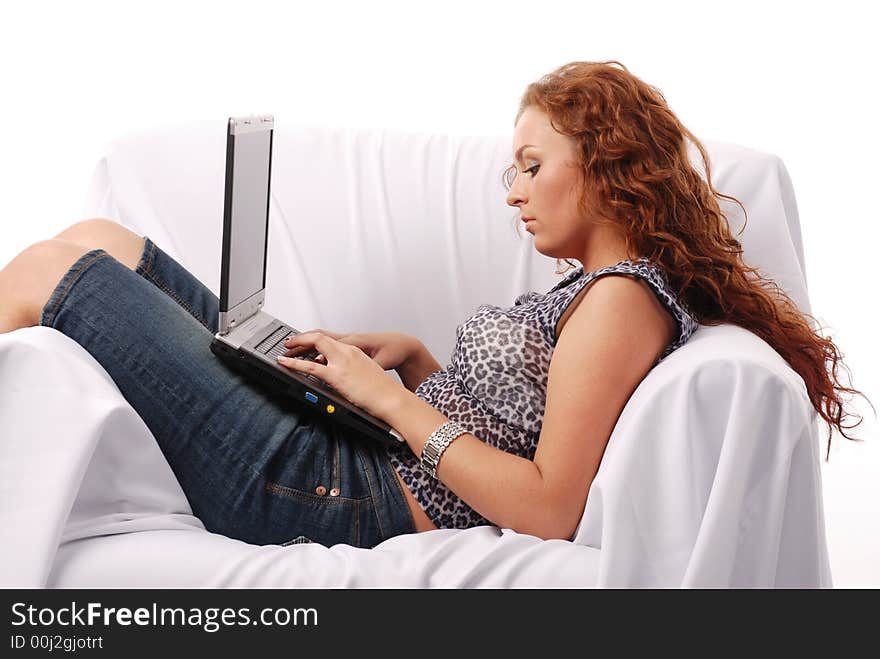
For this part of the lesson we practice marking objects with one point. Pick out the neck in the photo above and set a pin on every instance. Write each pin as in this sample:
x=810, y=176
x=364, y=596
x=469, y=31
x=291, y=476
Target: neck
x=607, y=247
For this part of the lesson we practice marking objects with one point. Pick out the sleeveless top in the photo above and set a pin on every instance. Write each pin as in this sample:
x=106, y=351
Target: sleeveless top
x=496, y=383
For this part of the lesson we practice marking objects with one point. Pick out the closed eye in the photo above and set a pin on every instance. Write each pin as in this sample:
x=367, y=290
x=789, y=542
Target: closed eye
x=534, y=167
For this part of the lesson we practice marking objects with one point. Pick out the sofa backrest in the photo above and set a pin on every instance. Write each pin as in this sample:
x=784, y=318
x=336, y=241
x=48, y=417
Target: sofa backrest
x=382, y=230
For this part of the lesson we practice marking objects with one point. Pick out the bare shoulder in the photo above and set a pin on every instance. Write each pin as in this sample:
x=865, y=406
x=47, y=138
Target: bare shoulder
x=614, y=335
x=606, y=348
x=612, y=298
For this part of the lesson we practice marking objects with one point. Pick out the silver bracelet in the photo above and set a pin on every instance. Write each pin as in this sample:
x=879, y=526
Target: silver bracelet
x=437, y=443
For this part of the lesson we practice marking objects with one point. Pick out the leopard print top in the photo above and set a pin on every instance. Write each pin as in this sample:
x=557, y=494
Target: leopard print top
x=496, y=383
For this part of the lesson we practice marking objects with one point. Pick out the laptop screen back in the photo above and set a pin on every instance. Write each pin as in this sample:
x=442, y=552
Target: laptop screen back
x=246, y=212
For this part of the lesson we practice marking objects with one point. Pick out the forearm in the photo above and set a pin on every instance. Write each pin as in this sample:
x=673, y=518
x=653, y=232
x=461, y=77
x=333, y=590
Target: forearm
x=506, y=489
x=418, y=367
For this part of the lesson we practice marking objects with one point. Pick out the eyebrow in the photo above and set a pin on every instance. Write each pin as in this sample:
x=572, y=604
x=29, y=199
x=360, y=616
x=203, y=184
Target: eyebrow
x=519, y=151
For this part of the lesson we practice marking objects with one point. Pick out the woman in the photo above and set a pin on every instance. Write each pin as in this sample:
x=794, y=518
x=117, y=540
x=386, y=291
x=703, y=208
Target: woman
x=512, y=432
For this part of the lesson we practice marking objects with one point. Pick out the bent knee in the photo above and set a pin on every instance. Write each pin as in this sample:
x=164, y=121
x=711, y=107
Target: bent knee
x=31, y=277
x=51, y=257
x=122, y=243
x=57, y=246
x=46, y=252
x=90, y=227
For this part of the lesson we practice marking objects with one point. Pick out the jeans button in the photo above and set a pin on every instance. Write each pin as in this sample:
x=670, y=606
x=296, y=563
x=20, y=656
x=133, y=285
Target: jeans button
x=320, y=490
x=334, y=492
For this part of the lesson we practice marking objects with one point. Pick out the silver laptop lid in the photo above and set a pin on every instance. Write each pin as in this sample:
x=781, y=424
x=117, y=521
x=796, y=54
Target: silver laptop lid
x=245, y=218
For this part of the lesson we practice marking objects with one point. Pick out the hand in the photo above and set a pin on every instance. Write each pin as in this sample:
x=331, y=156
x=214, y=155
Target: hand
x=388, y=349
x=348, y=369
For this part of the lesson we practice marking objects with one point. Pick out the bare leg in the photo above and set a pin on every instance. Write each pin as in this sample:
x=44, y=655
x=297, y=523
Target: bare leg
x=29, y=279
x=123, y=245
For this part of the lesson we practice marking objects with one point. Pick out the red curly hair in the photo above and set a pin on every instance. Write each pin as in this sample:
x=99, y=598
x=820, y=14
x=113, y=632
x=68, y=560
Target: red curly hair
x=633, y=151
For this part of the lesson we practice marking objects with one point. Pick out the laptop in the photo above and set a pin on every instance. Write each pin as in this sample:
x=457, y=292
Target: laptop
x=249, y=340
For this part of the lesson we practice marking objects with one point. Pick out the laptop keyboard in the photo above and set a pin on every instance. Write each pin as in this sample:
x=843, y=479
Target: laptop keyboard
x=273, y=347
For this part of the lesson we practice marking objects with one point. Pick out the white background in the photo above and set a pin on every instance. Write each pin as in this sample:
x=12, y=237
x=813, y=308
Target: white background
x=794, y=79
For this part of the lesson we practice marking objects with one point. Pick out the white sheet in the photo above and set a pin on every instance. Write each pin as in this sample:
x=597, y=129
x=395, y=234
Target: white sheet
x=102, y=491
x=694, y=491
x=711, y=477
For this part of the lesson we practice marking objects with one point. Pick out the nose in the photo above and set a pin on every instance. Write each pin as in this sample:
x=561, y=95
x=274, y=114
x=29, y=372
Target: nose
x=516, y=195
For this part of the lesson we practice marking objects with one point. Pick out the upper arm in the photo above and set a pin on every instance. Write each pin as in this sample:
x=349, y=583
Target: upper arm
x=606, y=348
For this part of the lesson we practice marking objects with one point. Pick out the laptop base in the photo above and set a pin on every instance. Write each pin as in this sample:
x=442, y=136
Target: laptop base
x=312, y=401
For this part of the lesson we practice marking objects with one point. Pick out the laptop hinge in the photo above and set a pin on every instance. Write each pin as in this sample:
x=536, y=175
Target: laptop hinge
x=243, y=333
x=236, y=316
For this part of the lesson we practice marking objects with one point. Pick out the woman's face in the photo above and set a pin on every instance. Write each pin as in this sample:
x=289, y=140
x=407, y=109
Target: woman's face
x=547, y=187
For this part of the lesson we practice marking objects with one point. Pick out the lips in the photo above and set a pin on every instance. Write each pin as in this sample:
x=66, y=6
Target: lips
x=528, y=219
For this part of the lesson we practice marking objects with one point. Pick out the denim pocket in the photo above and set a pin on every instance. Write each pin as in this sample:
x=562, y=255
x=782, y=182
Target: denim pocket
x=308, y=465
x=313, y=488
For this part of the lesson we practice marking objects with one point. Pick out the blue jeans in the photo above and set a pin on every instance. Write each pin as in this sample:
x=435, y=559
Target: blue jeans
x=254, y=466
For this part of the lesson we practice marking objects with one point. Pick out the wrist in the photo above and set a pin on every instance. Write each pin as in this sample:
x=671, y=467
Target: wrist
x=437, y=443
x=418, y=365
x=418, y=353
x=412, y=417
x=414, y=353
x=393, y=402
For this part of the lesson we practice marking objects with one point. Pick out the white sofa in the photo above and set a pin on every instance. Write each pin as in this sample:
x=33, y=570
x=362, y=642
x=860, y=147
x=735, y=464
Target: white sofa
x=710, y=479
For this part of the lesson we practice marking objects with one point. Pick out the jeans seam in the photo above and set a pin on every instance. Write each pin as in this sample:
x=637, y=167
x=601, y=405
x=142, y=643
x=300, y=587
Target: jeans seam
x=49, y=318
x=403, y=496
x=293, y=493
x=148, y=274
x=145, y=265
x=174, y=296
x=372, y=492
x=356, y=540
x=336, y=477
